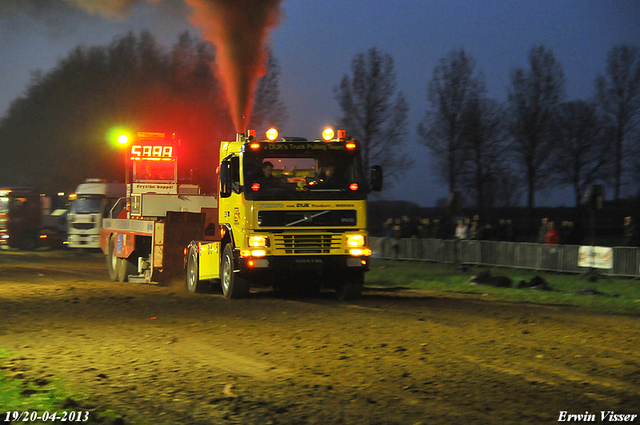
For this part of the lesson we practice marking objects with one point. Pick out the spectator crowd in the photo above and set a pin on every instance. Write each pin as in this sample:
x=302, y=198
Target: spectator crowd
x=551, y=232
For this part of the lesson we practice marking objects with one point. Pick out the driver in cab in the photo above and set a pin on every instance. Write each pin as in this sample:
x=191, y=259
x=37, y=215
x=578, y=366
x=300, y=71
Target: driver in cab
x=265, y=177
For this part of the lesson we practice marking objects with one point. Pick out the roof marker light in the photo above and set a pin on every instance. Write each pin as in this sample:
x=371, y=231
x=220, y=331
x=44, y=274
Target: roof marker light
x=328, y=133
x=272, y=134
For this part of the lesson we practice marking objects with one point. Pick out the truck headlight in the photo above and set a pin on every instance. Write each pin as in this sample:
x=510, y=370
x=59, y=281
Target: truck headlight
x=258, y=241
x=355, y=241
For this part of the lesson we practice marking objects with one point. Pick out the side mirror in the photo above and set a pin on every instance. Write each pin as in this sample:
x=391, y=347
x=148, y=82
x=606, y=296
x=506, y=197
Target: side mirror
x=376, y=178
x=225, y=179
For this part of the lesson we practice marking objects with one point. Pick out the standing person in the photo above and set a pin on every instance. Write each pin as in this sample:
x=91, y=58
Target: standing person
x=462, y=230
x=474, y=231
x=409, y=229
x=388, y=228
x=397, y=235
x=553, y=235
x=542, y=232
x=552, y=240
x=630, y=231
x=436, y=229
x=425, y=228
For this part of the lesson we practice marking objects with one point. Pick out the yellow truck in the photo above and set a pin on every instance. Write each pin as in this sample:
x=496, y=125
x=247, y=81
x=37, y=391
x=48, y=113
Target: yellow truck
x=291, y=214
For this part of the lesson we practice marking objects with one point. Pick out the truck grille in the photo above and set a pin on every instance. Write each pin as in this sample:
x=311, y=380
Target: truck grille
x=83, y=226
x=307, y=218
x=308, y=243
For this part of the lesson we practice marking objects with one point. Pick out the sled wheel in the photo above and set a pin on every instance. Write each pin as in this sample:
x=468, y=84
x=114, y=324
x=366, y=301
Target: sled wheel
x=113, y=265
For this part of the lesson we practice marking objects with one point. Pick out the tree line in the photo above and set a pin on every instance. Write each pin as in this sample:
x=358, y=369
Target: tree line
x=489, y=150
x=536, y=139
x=60, y=132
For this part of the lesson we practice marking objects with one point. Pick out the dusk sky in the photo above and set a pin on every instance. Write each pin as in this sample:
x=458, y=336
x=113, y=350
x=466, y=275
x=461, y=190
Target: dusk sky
x=316, y=41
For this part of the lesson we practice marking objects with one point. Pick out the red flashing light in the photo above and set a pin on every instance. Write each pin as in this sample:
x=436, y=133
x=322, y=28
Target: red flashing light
x=353, y=186
x=43, y=236
x=350, y=145
x=255, y=187
x=254, y=145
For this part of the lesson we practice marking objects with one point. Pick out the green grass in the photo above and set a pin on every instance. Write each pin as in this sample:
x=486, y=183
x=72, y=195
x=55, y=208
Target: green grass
x=447, y=279
x=22, y=391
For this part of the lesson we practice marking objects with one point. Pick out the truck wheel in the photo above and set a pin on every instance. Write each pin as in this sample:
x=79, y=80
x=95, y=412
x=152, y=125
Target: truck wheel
x=351, y=286
x=194, y=284
x=125, y=268
x=113, y=265
x=233, y=286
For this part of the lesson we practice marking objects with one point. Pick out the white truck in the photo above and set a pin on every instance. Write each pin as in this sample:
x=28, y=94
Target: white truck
x=93, y=200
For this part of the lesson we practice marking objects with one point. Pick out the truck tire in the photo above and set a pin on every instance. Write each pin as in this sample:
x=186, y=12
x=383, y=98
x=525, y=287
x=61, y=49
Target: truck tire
x=113, y=265
x=350, y=287
x=233, y=286
x=194, y=284
x=126, y=268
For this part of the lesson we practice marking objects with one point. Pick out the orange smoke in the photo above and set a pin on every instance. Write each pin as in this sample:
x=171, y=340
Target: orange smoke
x=238, y=29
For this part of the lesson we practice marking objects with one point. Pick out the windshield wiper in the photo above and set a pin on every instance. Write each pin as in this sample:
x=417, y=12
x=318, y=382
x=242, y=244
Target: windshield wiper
x=306, y=218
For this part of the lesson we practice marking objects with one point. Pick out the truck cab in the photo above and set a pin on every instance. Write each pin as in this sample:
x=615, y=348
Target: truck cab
x=92, y=202
x=20, y=218
x=292, y=212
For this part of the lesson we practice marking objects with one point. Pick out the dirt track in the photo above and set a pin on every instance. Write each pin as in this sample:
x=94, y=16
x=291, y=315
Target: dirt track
x=393, y=357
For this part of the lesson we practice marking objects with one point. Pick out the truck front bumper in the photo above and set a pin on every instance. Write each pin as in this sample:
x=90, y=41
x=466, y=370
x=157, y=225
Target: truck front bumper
x=302, y=263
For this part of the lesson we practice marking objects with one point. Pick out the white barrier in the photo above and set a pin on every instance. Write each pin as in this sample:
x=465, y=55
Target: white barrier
x=620, y=261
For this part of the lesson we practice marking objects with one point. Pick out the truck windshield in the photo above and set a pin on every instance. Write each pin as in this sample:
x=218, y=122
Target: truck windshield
x=86, y=204
x=303, y=174
x=154, y=171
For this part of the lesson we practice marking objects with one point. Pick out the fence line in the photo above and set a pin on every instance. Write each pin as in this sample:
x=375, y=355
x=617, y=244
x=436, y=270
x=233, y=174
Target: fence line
x=558, y=258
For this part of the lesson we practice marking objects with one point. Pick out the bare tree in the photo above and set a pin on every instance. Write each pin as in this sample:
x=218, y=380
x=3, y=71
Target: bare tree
x=503, y=189
x=485, y=147
x=618, y=95
x=373, y=113
x=533, y=100
x=583, y=143
x=454, y=86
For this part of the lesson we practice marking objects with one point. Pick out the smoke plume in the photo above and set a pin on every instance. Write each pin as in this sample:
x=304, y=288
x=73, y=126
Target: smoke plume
x=238, y=29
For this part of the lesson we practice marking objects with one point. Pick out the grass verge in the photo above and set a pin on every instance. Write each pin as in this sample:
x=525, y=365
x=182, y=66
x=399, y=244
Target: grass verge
x=621, y=296
x=24, y=391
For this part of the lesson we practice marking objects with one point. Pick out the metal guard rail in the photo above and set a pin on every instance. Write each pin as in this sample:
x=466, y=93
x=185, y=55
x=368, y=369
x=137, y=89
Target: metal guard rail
x=558, y=258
